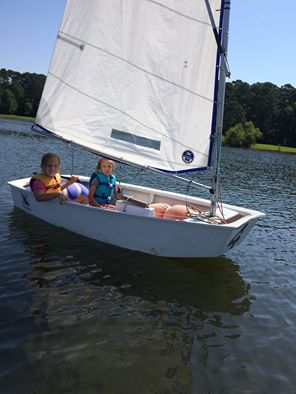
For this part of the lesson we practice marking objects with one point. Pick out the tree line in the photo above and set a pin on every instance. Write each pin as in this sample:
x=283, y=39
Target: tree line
x=271, y=109
x=261, y=112
x=20, y=93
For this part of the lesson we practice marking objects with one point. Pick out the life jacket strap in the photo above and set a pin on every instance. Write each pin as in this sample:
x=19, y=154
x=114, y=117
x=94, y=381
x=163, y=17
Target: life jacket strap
x=56, y=186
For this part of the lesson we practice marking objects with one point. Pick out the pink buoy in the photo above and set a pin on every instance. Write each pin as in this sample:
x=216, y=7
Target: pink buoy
x=159, y=209
x=176, y=212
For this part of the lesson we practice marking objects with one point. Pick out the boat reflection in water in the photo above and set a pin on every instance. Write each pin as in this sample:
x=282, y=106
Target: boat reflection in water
x=102, y=317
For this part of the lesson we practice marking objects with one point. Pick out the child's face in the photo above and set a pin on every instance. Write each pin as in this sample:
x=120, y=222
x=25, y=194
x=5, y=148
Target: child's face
x=106, y=167
x=51, y=167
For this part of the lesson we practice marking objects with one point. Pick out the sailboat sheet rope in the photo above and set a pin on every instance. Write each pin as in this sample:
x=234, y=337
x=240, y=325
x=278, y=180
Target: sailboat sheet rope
x=136, y=80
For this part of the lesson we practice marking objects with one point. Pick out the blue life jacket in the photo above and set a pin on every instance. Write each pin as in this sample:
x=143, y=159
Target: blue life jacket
x=105, y=189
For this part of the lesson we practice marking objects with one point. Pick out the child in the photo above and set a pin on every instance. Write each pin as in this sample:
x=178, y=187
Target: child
x=47, y=184
x=103, y=188
x=102, y=185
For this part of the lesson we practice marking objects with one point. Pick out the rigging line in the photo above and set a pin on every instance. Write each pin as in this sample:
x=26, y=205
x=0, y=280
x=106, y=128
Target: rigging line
x=72, y=158
x=220, y=202
x=120, y=170
x=122, y=112
x=134, y=65
x=191, y=211
x=215, y=30
x=217, y=38
x=139, y=172
x=181, y=179
x=186, y=201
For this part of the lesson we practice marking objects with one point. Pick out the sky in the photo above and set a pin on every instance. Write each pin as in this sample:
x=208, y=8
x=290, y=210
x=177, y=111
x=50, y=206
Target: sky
x=261, y=38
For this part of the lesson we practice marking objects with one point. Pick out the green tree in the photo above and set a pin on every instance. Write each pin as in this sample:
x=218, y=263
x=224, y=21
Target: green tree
x=242, y=135
x=234, y=109
x=286, y=117
x=8, y=102
x=28, y=109
x=26, y=89
x=251, y=134
x=264, y=105
x=33, y=85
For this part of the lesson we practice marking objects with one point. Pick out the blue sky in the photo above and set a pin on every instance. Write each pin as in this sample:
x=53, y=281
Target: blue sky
x=261, y=42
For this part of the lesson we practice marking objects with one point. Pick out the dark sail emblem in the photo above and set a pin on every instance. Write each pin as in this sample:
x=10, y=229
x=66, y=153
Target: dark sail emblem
x=188, y=156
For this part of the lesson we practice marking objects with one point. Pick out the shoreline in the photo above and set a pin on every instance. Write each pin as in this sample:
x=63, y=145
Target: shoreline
x=262, y=147
x=17, y=117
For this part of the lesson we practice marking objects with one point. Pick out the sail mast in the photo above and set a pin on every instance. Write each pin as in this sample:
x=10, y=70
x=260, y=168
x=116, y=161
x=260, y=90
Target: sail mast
x=224, y=72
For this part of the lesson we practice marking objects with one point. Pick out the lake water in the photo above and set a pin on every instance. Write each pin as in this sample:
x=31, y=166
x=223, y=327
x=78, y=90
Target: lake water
x=78, y=316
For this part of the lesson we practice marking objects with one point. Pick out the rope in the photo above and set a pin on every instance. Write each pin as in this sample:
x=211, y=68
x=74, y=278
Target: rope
x=193, y=212
x=72, y=159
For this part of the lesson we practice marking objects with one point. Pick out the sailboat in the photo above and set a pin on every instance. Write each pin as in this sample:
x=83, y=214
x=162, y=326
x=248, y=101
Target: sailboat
x=142, y=82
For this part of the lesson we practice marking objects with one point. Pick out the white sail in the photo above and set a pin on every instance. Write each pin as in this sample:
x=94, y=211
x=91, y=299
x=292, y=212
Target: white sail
x=135, y=80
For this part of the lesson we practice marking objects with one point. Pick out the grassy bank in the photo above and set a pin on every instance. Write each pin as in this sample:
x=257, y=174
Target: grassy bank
x=274, y=148
x=17, y=117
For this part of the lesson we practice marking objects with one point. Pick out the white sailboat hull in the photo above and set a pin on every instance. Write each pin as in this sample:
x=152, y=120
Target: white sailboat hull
x=134, y=231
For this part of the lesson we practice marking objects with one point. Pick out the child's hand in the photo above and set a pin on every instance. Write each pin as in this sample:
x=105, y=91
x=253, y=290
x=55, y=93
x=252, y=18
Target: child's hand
x=119, y=196
x=73, y=179
x=62, y=198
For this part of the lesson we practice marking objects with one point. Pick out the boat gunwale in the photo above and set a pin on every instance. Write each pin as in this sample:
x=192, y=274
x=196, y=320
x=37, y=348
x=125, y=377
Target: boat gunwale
x=246, y=215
